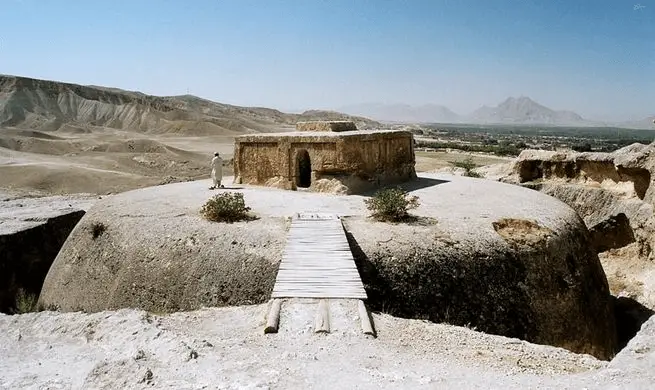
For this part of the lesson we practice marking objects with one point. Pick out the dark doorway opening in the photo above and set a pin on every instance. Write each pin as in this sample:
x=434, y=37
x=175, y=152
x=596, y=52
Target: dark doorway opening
x=304, y=177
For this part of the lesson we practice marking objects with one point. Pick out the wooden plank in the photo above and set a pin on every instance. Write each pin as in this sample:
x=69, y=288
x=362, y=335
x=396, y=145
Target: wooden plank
x=317, y=262
x=365, y=319
x=320, y=295
x=322, y=319
x=273, y=319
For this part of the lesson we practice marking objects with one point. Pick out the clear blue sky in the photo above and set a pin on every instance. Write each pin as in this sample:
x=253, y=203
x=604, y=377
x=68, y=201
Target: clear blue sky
x=596, y=57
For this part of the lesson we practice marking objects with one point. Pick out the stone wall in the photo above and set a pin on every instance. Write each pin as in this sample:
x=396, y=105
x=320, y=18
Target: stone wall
x=345, y=163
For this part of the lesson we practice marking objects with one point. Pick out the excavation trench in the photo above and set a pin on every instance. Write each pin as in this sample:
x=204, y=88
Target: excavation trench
x=25, y=259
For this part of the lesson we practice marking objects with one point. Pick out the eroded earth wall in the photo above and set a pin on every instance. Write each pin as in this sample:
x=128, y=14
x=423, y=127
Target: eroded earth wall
x=346, y=163
x=26, y=256
x=614, y=194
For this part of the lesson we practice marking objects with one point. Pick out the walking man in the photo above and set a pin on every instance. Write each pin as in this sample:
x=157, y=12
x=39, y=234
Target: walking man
x=217, y=171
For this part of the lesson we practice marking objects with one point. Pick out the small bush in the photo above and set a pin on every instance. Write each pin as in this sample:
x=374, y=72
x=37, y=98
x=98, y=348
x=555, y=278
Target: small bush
x=468, y=166
x=25, y=302
x=226, y=207
x=97, y=228
x=391, y=204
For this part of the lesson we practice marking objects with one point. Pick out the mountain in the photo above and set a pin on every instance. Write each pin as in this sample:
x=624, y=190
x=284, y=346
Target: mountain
x=428, y=113
x=50, y=106
x=644, y=124
x=524, y=110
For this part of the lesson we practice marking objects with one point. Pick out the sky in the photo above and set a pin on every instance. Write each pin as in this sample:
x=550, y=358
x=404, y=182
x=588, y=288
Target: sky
x=595, y=57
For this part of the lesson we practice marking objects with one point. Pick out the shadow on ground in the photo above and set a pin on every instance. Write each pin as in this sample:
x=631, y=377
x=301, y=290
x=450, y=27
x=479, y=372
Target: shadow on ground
x=413, y=185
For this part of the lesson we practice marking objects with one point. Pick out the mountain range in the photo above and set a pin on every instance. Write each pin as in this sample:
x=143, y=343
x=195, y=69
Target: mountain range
x=45, y=105
x=518, y=111
x=51, y=105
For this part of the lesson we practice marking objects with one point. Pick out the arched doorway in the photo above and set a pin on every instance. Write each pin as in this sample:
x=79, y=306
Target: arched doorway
x=303, y=169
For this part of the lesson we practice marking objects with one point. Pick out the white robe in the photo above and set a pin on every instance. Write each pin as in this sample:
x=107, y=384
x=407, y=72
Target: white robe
x=217, y=170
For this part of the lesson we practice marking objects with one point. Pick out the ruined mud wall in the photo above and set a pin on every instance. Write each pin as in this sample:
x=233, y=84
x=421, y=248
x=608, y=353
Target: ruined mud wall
x=321, y=126
x=382, y=157
x=272, y=162
x=256, y=162
x=355, y=161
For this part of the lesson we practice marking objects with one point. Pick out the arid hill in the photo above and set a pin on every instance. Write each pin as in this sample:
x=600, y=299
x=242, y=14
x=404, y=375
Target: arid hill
x=49, y=105
x=59, y=138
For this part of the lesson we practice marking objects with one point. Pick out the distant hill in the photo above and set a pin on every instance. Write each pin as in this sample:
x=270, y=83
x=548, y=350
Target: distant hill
x=50, y=106
x=404, y=112
x=516, y=111
x=644, y=124
x=524, y=110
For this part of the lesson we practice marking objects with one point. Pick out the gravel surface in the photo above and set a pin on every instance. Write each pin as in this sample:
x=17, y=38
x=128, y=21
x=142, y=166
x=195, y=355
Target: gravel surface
x=226, y=349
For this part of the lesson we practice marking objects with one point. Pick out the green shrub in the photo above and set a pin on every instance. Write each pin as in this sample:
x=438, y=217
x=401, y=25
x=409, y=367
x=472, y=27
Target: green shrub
x=467, y=163
x=391, y=204
x=25, y=302
x=226, y=207
x=468, y=166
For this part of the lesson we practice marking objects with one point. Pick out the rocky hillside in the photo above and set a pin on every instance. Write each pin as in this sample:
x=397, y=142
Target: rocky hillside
x=49, y=106
x=525, y=111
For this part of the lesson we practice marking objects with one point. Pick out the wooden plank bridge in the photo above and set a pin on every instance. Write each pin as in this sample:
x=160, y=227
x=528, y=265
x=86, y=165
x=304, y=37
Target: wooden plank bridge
x=317, y=263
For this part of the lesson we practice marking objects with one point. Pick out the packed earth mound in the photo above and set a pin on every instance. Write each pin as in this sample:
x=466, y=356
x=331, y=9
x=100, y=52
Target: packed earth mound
x=457, y=262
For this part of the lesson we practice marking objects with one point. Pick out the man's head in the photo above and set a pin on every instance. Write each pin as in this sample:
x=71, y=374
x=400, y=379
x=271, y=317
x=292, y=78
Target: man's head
x=216, y=154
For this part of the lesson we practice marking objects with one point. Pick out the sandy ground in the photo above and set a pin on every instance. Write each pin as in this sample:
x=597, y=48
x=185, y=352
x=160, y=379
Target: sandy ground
x=226, y=349
x=429, y=161
x=110, y=161
x=103, y=161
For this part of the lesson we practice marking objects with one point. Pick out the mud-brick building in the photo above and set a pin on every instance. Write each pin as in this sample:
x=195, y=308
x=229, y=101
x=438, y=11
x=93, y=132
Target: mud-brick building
x=326, y=157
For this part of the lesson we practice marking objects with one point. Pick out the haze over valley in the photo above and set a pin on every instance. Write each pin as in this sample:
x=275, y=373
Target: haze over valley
x=512, y=111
